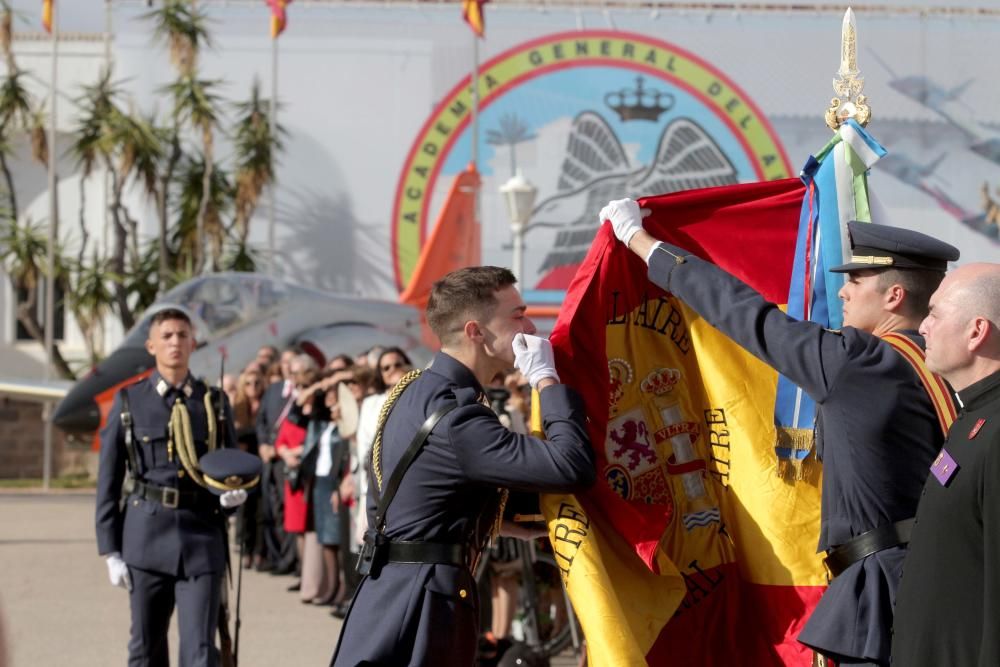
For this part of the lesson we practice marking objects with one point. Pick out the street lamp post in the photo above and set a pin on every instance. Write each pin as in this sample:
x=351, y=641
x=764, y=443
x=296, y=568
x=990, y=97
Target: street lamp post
x=519, y=196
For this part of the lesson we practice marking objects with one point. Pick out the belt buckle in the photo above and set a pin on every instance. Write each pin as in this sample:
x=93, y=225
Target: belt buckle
x=171, y=497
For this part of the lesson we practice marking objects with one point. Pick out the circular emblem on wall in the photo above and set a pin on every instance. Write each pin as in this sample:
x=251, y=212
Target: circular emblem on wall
x=586, y=116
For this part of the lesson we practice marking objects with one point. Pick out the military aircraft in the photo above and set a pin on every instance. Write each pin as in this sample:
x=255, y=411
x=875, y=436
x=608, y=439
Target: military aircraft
x=234, y=314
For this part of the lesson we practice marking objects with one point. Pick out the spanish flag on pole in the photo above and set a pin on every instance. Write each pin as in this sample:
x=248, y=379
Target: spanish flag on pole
x=279, y=18
x=47, y=15
x=472, y=12
x=689, y=549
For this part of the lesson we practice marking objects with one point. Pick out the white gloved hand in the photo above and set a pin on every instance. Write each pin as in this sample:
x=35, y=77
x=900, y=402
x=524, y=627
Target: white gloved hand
x=533, y=357
x=625, y=216
x=118, y=571
x=231, y=499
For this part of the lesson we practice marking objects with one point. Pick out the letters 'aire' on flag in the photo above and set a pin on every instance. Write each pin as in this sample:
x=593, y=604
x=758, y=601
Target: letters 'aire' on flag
x=689, y=549
x=472, y=12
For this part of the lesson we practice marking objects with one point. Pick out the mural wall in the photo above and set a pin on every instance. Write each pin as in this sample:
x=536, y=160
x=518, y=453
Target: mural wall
x=589, y=106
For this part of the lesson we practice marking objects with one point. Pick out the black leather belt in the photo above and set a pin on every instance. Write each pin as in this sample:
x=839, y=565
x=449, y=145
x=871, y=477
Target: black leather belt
x=840, y=557
x=169, y=496
x=426, y=552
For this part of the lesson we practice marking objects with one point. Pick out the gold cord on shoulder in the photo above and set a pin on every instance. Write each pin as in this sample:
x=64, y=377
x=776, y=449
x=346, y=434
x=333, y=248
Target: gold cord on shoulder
x=181, y=438
x=383, y=415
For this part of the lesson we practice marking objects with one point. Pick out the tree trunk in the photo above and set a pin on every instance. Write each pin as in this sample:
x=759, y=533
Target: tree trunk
x=206, y=193
x=117, y=263
x=9, y=179
x=26, y=316
x=84, y=234
x=161, y=205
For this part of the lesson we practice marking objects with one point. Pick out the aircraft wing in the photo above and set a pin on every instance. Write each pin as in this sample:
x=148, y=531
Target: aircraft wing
x=35, y=390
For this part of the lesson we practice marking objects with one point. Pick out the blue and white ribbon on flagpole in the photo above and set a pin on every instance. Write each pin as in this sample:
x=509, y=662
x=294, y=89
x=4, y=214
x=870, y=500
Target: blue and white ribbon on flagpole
x=836, y=180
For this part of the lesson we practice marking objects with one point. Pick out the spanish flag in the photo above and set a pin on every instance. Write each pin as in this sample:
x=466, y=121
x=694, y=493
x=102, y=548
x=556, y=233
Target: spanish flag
x=279, y=18
x=472, y=12
x=47, y=15
x=689, y=549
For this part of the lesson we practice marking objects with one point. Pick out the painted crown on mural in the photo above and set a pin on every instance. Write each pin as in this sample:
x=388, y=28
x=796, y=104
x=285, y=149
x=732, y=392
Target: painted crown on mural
x=639, y=104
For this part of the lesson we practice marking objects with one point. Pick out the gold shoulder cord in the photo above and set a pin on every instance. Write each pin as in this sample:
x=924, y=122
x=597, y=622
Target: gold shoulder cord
x=183, y=438
x=383, y=415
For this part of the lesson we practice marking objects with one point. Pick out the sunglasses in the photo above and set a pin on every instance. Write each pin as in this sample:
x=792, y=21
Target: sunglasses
x=389, y=367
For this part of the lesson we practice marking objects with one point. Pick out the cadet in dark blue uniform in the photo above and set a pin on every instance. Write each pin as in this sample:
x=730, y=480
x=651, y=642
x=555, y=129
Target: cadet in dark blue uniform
x=418, y=604
x=876, y=429
x=166, y=542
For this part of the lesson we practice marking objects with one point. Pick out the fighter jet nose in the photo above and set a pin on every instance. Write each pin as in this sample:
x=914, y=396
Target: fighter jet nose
x=79, y=412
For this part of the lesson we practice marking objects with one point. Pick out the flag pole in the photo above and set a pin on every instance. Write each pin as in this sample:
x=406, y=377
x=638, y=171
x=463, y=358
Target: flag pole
x=475, y=100
x=50, y=282
x=272, y=120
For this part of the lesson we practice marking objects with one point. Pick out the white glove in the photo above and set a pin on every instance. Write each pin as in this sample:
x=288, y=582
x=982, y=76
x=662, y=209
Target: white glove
x=118, y=571
x=625, y=216
x=231, y=499
x=533, y=357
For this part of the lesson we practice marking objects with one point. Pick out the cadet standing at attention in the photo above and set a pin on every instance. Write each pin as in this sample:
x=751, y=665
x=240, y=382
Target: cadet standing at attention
x=877, y=431
x=442, y=464
x=163, y=535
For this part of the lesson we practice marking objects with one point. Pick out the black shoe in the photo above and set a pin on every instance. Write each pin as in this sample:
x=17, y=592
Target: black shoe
x=294, y=588
x=340, y=610
x=282, y=570
x=263, y=566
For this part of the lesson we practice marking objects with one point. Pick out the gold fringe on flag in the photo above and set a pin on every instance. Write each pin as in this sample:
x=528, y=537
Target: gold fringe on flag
x=794, y=469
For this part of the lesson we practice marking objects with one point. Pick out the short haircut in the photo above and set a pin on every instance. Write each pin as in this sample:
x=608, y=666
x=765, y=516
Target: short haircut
x=464, y=295
x=169, y=314
x=980, y=297
x=306, y=361
x=919, y=285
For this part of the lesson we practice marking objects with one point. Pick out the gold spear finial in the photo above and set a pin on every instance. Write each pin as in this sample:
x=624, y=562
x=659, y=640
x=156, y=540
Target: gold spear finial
x=849, y=102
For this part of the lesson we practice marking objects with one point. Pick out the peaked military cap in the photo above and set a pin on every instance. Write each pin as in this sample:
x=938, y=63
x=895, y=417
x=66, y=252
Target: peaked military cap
x=883, y=247
x=230, y=470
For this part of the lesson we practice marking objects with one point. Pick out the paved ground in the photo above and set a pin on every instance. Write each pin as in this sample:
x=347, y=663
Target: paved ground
x=59, y=609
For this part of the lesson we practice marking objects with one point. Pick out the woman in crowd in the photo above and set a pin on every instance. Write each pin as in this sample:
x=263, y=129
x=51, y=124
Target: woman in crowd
x=249, y=389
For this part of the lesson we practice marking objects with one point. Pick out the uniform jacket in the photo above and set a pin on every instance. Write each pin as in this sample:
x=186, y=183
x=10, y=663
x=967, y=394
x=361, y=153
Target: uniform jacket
x=948, y=607
x=426, y=614
x=876, y=433
x=177, y=541
x=272, y=404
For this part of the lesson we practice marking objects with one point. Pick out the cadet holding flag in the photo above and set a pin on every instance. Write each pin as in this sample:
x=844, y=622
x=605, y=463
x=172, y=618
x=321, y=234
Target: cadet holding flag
x=877, y=429
x=163, y=534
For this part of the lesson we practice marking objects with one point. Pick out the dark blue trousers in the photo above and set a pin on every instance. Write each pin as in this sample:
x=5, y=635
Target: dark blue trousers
x=153, y=598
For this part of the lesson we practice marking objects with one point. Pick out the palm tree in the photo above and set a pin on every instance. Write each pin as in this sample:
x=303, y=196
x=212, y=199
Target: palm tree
x=23, y=253
x=89, y=298
x=195, y=103
x=185, y=31
x=512, y=132
x=130, y=148
x=254, y=148
x=191, y=203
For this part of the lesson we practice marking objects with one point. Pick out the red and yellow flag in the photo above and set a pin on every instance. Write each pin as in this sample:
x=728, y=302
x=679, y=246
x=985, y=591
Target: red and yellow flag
x=472, y=12
x=279, y=17
x=47, y=15
x=690, y=549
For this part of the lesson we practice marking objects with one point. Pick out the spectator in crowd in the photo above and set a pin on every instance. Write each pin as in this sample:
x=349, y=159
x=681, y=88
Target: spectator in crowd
x=230, y=386
x=266, y=355
x=289, y=444
x=278, y=549
x=246, y=405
